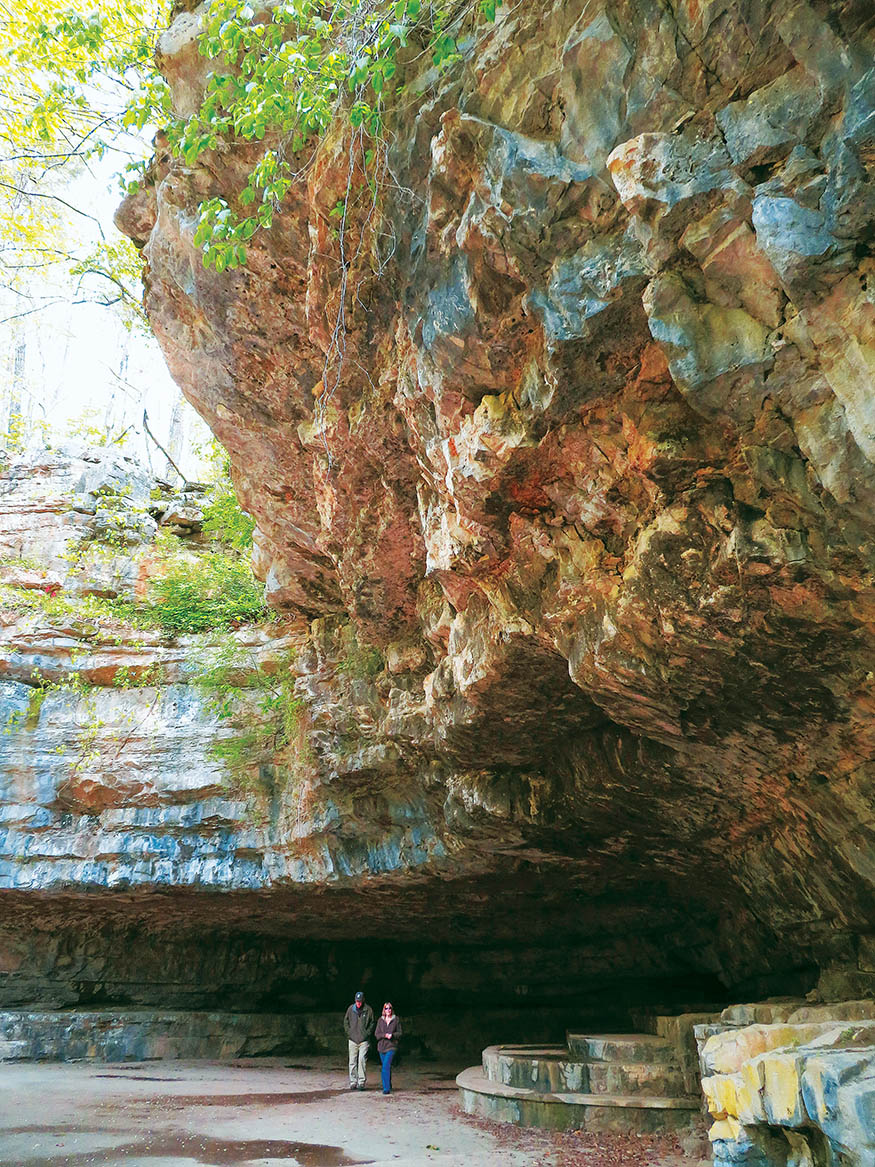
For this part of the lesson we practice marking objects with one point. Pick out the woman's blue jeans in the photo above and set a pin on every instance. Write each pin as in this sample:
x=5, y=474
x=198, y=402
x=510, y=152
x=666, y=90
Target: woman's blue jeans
x=386, y=1059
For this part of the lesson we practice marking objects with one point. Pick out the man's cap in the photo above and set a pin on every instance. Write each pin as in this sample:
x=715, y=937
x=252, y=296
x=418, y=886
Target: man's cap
x=360, y=996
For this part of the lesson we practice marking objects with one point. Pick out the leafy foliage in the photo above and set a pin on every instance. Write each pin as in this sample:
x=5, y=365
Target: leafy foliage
x=225, y=520
x=79, y=85
x=76, y=87
x=213, y=593
x=286, y=74
x=258, y=702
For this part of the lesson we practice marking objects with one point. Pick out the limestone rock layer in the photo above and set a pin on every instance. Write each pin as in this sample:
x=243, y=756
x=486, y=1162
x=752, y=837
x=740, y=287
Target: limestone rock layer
x=588, y=456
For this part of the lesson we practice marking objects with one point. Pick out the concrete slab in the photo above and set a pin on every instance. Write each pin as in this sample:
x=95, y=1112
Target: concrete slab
x=253, y=1113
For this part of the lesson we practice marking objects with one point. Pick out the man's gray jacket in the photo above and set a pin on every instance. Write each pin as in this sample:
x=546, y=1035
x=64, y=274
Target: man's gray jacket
x=358, y=1024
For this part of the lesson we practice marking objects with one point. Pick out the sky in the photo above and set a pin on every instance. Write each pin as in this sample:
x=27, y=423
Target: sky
x=76, y=368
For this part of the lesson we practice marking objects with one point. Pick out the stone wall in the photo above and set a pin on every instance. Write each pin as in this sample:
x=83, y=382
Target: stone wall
x=794, y=1089
x=130, y=1035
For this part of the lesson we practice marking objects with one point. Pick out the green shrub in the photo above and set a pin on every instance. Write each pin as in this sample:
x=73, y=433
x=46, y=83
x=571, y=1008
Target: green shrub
x=215, y=593
x=226, y=522
x=260, y=705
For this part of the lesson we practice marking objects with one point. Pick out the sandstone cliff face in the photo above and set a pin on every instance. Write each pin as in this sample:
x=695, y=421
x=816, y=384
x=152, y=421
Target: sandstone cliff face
x=595, y=472
x=108, y=779
x=138, y=866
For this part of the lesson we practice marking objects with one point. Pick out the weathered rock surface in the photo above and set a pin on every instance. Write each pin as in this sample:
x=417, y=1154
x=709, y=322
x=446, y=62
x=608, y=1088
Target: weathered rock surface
x=137, y=867
x=596, y=470
x=801, y=1091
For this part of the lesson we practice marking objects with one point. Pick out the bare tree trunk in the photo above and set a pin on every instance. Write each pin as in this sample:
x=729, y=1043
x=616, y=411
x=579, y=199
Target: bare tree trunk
x=15, y=420
x=176, y=439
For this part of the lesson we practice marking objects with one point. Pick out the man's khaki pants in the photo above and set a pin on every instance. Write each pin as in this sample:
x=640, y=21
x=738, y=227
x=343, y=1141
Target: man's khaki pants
x=358, y=1055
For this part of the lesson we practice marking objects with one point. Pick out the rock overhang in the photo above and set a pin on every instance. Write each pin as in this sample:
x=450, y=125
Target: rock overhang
x=595, y=476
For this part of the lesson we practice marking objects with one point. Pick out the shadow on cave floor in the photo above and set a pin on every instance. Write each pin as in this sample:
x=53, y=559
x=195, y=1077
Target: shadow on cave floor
x=250, y=1112
x=184, y=1101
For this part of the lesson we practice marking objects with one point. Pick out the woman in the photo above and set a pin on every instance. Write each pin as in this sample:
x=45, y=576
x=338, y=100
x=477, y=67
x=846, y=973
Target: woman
x=387, y=1033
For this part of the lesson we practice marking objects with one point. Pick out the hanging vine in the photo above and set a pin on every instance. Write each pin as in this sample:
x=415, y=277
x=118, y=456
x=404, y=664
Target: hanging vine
x=287, y=73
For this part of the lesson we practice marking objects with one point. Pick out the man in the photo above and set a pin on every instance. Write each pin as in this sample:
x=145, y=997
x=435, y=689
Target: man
x=358, y=1024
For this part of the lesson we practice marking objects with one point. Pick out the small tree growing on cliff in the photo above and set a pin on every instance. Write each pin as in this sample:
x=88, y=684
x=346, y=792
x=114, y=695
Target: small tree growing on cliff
x=80, y=84
x=287, y=74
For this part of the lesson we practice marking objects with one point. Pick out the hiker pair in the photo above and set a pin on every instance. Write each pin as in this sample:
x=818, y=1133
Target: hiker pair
x=358, y=1024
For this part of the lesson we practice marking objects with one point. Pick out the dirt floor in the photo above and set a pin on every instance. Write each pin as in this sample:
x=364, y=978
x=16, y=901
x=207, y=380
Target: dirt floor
x=269, y=1112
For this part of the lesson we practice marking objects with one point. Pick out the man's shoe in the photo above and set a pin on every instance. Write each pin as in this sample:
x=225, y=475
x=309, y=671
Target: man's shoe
x=353, y=1086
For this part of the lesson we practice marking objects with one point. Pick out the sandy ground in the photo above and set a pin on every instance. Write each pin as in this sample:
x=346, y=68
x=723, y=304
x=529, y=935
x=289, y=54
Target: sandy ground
x=267, y=1113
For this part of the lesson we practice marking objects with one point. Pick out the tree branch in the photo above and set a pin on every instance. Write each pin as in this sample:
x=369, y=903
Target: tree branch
x=35, y=194
x=127, y=294
x=54, y=304
x=161, y=448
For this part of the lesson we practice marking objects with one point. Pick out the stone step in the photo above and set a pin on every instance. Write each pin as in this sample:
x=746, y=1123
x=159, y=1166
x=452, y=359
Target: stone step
x=11, y=1051
x=626, y=1114
x=548, y=1069
x=652, y=1079
x=622, y=1047
x=552, y=1069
